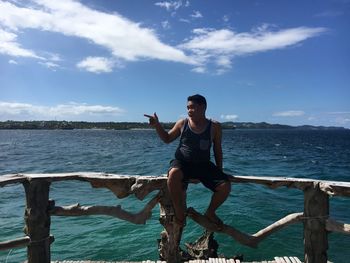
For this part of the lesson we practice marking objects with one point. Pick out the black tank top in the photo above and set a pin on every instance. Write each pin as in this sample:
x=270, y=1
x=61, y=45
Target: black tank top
x=194, y=147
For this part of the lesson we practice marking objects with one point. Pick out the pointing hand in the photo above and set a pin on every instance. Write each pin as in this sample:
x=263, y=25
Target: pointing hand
x=153, y=119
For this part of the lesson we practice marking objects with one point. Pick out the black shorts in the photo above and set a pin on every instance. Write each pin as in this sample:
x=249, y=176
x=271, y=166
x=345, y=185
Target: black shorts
x=208, y=173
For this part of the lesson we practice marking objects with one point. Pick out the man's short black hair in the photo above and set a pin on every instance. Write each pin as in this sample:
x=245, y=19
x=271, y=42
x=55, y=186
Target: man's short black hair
x=199, y=99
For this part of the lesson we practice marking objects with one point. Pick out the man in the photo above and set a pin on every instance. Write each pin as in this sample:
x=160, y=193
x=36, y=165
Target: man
x=192, y=158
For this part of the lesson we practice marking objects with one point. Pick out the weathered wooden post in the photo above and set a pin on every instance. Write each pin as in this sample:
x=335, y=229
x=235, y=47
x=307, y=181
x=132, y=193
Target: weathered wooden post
x=316, y=211
x=169, y=246
x=37, y=220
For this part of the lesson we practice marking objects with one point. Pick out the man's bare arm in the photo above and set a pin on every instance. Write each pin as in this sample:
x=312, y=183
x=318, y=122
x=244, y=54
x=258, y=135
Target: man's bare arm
x=217, y=144
x=165, y=136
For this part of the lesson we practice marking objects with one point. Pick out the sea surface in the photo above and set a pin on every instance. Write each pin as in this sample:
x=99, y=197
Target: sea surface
x=250, y=207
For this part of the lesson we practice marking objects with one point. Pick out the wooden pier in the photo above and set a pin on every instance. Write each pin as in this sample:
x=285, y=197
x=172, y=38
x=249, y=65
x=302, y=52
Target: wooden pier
x=210, y=260
x=39, y=209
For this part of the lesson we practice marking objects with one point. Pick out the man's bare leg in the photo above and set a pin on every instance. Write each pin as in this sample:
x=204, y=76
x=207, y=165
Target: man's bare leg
x=220, y=195
x=177, y=193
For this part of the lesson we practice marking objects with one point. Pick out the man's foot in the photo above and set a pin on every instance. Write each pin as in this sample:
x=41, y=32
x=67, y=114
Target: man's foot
x=213, y=218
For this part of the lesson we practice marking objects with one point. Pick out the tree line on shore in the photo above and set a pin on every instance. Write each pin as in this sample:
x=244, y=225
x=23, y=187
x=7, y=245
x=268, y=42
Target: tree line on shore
x=69, y=125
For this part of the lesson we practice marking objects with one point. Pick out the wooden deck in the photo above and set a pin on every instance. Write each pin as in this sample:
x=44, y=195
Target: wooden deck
x=39, y=209
x=211, y=260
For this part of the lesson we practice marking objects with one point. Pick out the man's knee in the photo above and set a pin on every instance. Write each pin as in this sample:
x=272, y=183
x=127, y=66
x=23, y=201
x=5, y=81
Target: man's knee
x=225, y=187
x=175, y=175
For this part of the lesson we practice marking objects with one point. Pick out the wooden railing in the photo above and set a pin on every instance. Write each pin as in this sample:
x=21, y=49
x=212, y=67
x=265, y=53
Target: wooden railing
x=315, y=217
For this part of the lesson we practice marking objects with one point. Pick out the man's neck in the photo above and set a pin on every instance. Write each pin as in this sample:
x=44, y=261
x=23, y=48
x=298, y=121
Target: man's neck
x=198, y=122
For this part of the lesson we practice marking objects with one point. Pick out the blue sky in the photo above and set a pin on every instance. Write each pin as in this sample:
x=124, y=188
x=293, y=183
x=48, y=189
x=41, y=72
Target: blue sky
x=276, y=61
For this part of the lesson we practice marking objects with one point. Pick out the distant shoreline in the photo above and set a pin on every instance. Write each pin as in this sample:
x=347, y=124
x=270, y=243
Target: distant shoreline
x=71, y=125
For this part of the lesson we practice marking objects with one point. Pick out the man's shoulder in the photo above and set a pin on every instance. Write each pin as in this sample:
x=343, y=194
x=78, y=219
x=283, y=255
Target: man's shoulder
x=180, y=123
x=215, y=123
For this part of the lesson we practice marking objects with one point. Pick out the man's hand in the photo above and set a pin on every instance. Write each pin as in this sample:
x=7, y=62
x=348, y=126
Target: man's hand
x=153, y=119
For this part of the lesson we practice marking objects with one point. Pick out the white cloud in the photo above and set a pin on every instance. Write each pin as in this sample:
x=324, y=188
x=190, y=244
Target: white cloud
x=339, y=112
x=208, y=44
x=221, y=71
x=165, y=24
x=97, y=64
x=15, y=110
x=196, y=14
x=229, y=117
x=291, y=113
x=14, y=62
x=166, y=5
x=340, y=117
x=125, y=39
x=226, y=41
x=129, y=41
x=54, y=57
x=342, y=120
x=172, y=5
x=50, y=65
x=224, y=62
x=184, y=20
x=226, y=18
x=9, y=45
x=199, y=70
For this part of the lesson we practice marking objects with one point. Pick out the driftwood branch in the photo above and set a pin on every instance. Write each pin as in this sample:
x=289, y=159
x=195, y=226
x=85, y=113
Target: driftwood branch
x=120, y=188
x=146, y=184
x=335, y=188
x=115, y=211
x=126, y=185
x=335, y=226
x=329, y=187
x=243, y=238
x=134, y=184
x=18, y=242
x=285, y=221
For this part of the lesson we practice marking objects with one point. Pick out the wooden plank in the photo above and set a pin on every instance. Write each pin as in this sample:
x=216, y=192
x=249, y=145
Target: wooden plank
x=329, y=187
x=335, y=226
x=297, y=260
x=19, y=242
x=335, y=188
x=279, y=260
x=37, y=221
x=316, y=208
x=11, y=179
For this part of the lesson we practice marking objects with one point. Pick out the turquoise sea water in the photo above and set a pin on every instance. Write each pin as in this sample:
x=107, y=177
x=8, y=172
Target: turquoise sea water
x=307, y=154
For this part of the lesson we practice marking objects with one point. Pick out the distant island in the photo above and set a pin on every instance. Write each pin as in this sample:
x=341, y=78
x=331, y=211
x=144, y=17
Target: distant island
x=70, y=125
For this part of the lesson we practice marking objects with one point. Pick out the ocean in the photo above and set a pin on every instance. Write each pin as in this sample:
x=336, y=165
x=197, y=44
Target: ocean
x=312, y=154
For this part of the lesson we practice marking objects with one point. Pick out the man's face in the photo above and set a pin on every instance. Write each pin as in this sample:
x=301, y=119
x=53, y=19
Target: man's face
x=195, y=110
